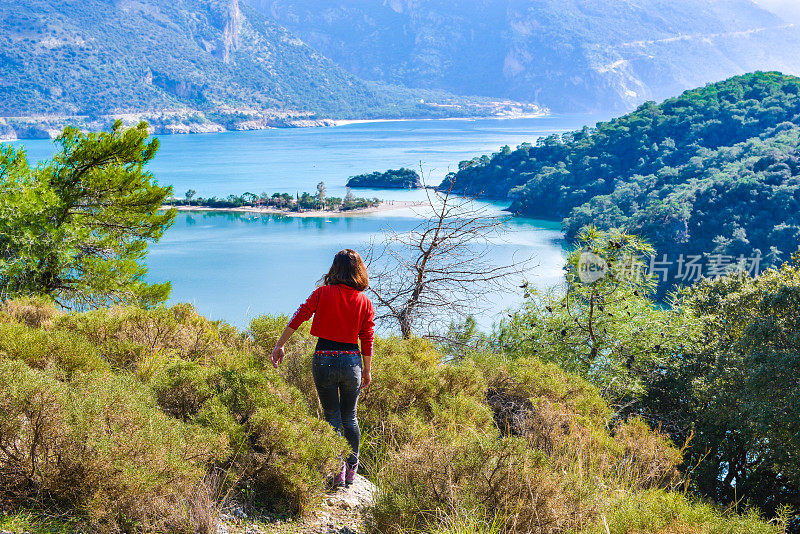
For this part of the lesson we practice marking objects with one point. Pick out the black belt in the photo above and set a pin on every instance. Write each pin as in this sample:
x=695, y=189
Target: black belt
x=327, y=344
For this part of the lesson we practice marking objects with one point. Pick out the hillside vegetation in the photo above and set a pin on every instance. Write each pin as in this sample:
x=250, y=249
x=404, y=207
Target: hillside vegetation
x=715, y=171
x=716, y=367
x=147, y=420
x=568, y=55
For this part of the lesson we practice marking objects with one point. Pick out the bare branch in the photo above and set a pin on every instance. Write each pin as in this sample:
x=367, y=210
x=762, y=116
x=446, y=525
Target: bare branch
x=438, y=272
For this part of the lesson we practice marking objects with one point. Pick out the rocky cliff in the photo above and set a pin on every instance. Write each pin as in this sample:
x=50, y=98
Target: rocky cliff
x=570, y=55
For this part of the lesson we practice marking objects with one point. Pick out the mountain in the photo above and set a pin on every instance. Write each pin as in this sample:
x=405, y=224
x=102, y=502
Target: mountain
x=569, y=55
x=199, y=61
x=786, y=9
x=713, y=171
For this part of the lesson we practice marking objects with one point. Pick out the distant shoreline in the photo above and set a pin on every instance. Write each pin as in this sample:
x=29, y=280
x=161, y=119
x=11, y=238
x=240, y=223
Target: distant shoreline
x=346, y=122
x=48, y=127
x=386, y=205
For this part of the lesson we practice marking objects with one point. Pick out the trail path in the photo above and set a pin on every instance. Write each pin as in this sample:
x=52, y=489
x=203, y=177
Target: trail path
x=340, y=513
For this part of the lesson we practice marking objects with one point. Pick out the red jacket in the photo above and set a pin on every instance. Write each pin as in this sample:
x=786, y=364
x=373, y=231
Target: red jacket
x=341, y=313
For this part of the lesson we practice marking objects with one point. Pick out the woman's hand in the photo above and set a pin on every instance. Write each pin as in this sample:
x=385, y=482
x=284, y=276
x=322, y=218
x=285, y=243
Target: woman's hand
x=277, y=352
x=277, y=356
x=366, y=378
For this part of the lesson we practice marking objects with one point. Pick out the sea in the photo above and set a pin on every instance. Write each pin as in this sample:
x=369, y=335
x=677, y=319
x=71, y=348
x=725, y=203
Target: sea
x=237, y=266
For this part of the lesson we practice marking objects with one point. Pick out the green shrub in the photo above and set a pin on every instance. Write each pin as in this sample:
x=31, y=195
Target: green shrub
x=537, y=379
x=98, y=445
x=519, y=440
x=567, y=418
x=24, y=520
x=652, y=512
x=32, y=411
x=127, y=333
x=45, y=349
x=410, y=382
x=130, y=445
x=146, y=420
x=291, y=452
x=266, y=329
x=181, y=389
x=296, y=368
x=660, y=512
x=436, y=476
x=275, y=447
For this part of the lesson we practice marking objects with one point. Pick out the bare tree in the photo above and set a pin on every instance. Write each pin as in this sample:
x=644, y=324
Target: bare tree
x=440, y=270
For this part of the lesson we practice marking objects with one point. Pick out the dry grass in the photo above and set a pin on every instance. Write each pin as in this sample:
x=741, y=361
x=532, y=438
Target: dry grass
x=145, y=420
x=203, y=505
x=522, y=441
x=32, y=312
x=660, y=512
x=117, y=416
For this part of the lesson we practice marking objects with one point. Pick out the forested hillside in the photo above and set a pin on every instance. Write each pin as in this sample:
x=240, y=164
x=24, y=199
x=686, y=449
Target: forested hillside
x=572, y=55
x=715, y=170
x=201, y=61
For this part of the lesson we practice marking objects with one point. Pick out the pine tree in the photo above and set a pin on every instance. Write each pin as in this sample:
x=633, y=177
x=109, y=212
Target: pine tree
x=76, y=227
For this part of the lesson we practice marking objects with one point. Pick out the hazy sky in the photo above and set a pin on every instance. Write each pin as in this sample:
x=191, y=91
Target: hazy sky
x=788, y=9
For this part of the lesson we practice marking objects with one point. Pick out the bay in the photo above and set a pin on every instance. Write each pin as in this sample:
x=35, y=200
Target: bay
x=235, y=266
x=288, y=160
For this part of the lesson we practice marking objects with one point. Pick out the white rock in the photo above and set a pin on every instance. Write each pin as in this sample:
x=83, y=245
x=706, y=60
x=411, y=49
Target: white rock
x=356, y=496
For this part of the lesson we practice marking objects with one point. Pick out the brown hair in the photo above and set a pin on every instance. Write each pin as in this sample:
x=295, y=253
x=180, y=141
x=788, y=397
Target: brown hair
x=348, y=268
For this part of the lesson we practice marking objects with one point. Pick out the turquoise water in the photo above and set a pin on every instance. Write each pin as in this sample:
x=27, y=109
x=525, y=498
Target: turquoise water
x=288, y=160
x=236, y=266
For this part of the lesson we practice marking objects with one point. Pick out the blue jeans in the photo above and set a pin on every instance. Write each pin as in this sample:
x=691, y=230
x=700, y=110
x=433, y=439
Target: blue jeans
x=337, y=376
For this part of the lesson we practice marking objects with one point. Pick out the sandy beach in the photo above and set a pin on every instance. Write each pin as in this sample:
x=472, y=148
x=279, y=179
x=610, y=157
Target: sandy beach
x=387, y=205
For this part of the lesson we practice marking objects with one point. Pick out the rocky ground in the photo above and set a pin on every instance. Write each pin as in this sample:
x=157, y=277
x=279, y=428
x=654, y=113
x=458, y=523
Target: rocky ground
x=341, y=513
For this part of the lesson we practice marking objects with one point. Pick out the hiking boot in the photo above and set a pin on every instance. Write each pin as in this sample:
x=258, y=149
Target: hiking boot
x=338, y=480
x=350, y=474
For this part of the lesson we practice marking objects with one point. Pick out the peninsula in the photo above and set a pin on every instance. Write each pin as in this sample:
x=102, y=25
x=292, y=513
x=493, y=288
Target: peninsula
x=300, y=205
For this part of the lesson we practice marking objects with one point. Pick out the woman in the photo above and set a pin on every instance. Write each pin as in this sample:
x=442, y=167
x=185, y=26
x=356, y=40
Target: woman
x=343, y=314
